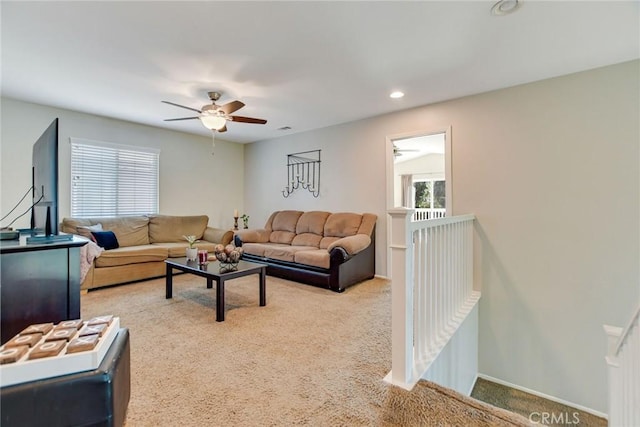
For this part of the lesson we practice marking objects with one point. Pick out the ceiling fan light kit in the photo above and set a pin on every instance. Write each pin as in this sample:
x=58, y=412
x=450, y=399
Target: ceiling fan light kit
x=215, y=117
x=213, y=122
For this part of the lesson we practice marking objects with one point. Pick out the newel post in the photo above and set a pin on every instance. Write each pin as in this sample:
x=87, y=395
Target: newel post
x=401, y=249
x=616, y=398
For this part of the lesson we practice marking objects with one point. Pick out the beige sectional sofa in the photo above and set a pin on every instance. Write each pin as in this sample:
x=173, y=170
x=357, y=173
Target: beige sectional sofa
x=144, y=243
x=331, y=250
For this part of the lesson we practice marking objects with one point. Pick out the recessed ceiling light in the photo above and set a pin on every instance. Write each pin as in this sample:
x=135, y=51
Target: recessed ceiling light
x=396, y=94
x=505, y=7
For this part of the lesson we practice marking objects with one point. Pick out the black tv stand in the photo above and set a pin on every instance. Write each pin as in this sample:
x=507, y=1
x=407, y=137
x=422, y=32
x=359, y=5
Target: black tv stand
x=40, y=284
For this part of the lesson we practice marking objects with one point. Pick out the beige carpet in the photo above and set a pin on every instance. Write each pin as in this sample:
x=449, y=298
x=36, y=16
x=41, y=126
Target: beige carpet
x=310, y=357
x=527, y=405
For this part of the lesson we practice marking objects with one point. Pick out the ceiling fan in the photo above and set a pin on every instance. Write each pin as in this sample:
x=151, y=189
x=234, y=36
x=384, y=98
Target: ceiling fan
x=397, y=152
x=215, y=116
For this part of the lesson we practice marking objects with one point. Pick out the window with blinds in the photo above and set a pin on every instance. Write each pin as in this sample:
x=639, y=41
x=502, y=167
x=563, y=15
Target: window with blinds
x=113, y=180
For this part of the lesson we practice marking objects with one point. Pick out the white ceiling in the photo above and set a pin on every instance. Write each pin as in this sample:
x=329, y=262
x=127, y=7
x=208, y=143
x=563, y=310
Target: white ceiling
x=419, y=146
x=305, y=64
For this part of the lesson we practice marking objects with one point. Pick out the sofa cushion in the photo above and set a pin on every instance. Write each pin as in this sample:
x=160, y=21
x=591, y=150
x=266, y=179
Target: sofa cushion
x=71, y=225
x=253, y=235
x=314, y=257
x=312, y=222
x=342, y=224
x=169, y=228
x=217, y=235
x=129, y=230
x=310, y=228
x=368, y=224
x=326, y=241
x=284, y=252
x=269, y=223
x=286, y=221
x=131, y=255
x=283, y=237
x=307, y=239
x=258, y=249
x=177, y=249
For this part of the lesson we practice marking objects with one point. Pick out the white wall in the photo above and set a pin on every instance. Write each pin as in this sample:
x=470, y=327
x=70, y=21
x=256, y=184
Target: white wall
x=429, y=165
x=192, y=181
x=551, y=170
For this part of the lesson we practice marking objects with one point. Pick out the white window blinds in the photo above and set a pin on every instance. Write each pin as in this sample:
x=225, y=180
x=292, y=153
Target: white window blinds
x=113, y=180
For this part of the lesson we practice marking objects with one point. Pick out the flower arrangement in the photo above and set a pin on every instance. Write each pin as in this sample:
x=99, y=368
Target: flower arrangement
x=192, y=240
x=245, y=220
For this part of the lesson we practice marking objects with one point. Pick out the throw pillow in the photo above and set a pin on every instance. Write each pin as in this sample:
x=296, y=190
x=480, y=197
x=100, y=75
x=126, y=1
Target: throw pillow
x=86, y=230
x=106, y=239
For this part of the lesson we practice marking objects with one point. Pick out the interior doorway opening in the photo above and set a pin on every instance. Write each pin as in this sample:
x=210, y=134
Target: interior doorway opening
x=419, y=174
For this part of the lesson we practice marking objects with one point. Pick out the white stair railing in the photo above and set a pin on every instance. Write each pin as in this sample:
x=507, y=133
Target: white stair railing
x=420, y=214
x=432, y=289
x=623, y=359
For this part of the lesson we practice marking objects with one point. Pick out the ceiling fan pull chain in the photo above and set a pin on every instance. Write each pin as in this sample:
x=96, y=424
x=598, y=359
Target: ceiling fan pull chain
x=213, y=141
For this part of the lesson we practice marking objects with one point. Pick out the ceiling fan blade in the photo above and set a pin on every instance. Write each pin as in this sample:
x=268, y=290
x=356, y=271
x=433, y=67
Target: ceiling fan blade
x=230, y=107
x=247, y=120
x=182, y=118
x=223, y=129
x=397, y=149
x=181, y=106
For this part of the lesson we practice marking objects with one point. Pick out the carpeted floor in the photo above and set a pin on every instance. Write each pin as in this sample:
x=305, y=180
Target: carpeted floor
x=529, y=405
x=310, y=357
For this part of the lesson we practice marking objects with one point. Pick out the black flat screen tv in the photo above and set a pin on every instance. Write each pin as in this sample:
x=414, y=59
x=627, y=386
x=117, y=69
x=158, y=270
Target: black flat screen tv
x=44, y=213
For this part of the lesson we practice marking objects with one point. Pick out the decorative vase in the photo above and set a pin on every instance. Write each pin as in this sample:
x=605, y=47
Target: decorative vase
x=228, y=257
x=203, y=257
x=192, y=254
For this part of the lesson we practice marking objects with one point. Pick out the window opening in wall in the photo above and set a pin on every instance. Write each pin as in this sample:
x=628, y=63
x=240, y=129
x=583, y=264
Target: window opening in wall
x=113, y=180
x=420, y=175
x=430, y=199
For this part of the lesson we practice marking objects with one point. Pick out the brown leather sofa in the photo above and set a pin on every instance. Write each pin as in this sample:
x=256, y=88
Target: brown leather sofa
x=330, y=250
x=144, y=243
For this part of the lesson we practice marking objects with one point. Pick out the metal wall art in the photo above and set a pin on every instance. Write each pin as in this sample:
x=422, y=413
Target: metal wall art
x=303, y=170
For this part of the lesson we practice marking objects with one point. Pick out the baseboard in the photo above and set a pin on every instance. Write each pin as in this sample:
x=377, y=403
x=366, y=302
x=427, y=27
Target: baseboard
x=473, y=385
x=544, y=396
x=380, y=276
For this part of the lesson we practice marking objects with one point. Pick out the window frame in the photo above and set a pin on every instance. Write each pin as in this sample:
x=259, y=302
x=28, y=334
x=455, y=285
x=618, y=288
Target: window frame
x=125, y=157
x=431, y=182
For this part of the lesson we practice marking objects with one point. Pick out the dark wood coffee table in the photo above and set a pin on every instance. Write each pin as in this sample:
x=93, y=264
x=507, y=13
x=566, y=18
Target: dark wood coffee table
x=211, y=272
